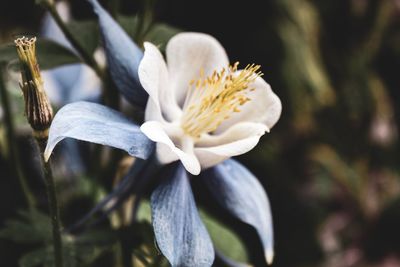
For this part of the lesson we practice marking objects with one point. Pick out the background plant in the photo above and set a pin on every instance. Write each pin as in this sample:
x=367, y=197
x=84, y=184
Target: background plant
x=331, y=165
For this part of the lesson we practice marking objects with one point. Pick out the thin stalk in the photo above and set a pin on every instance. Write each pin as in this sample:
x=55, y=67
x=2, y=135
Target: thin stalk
x=145, y=20
x=53, y=205
x=110, y=95
x=54, y=214
x=384, y=15
x=126, y=255
x=87, y=58
x=118, y=258
x=39, y=115
x=13, y=158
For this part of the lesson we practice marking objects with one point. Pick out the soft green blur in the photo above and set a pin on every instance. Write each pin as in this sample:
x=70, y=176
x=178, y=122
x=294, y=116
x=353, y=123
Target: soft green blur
x=331, y=165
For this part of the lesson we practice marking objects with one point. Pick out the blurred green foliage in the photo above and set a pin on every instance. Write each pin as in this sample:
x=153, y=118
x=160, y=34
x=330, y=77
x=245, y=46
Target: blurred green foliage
x=330, y=166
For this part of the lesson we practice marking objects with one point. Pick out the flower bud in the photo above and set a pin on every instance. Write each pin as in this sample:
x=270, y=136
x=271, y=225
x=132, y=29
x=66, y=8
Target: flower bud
x=37, y=106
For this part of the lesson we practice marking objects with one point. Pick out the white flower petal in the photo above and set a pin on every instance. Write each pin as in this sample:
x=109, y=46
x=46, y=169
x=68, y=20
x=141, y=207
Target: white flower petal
x=237, y=140
x=236, y=132
x=153, y=76
x=157, y=132
x=264, y=107
x=188, y=54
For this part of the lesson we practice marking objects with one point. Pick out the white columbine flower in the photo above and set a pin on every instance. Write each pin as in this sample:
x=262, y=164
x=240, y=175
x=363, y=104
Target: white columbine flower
x=201, y=109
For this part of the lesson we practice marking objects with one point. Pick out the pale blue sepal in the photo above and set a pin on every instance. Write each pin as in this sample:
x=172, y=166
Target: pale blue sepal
x=239, y=191
x=180, y=234
x=98, y=124
x=123, y=57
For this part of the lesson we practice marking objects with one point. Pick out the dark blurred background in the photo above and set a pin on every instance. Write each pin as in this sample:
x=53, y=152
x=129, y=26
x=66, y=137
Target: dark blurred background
x=331, y=166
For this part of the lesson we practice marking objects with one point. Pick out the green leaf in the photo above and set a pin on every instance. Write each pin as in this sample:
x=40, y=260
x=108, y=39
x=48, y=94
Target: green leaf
x=92, y=237
x=144, y=212
x=79, y=252
x=34, y=227
x=8, y=53
x=30, y=227
x=86, y=33
x=160, y=34
x=39, y=257
x=74, y=254
x=224, y=239
x=45, y=257
x=129, y=24
x=50, y=55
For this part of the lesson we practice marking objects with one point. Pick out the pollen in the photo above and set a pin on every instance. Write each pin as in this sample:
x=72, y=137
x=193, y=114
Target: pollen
x=213, y=99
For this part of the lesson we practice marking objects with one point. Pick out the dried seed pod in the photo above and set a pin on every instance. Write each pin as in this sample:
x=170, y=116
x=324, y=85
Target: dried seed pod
x=37, y=106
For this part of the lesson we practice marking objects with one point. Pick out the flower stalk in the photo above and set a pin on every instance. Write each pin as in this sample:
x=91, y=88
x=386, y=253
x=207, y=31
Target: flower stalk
x=110, y=96
x=39, y=114
x=87, y=58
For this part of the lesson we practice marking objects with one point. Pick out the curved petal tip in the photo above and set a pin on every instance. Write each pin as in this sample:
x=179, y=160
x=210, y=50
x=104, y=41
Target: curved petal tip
x=46, y=155
x=269, y=256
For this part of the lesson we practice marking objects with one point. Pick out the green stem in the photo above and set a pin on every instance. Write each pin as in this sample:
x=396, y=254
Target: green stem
x=87, y=58
x=110, y=95
x=14, y=159
x=54, y=214
x=384, y=15
x=145, y=20
x=53, y=206
x=126, y=255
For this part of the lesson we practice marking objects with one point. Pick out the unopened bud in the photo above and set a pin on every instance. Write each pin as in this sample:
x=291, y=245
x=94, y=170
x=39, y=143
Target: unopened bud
x=37, y=106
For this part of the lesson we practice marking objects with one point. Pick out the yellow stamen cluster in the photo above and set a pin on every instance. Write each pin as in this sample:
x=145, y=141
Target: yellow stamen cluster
x=211, y=100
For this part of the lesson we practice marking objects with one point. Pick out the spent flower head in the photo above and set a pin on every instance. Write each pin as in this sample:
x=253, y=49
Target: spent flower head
x=37, y=106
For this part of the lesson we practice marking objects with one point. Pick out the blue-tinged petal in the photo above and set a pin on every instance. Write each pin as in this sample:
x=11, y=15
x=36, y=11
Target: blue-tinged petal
x=239, y=191
x=123, y=56
x=180, y=234
x=98, y=124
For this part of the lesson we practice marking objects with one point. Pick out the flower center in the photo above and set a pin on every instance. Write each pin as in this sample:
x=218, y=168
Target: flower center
x=211, y=100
